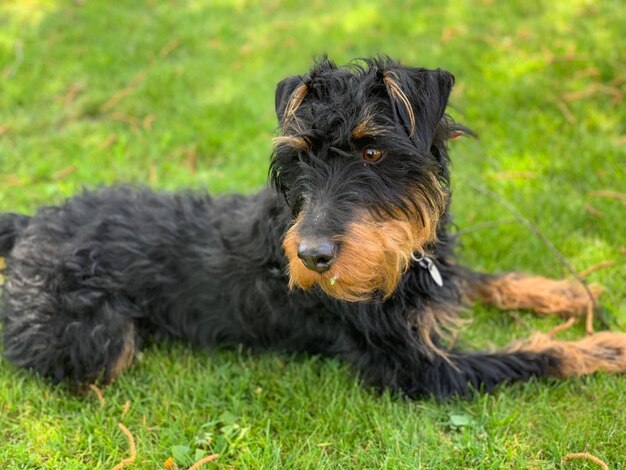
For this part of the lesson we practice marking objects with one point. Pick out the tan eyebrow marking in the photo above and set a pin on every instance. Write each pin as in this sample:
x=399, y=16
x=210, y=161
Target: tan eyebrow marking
x=298, y=143
x=367, y=128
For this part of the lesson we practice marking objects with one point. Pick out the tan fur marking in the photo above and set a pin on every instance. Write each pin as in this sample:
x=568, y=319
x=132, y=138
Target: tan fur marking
x=536, y=293
x=125, y=357
x=441, y=322
x=371, y=258
x=397, y=94
x=374, y=253
x=298, y=143
x=289, y=116
x=604, y=351
x=367, y=128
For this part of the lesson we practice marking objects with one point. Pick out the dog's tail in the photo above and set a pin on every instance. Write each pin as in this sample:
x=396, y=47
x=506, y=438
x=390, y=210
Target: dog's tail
x=11, y=225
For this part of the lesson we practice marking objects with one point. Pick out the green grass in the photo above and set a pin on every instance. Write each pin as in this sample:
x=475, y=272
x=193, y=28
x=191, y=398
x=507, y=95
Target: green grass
x=180, y=94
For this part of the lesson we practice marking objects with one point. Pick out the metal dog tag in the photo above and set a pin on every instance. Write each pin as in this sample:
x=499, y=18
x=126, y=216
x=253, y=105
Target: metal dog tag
x=429, y=264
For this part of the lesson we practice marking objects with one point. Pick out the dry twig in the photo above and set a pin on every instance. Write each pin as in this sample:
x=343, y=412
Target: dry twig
x=98, y=393
x=565, y=326
x=125, y=408
x=593, y=304
x=68, y=170
x=139, y=77
x=585, y=455
x=593, y=211
x=567, y=114
x=131, y=443
x=589, y=320
x=204, y=460
x=507, y=175
x=596, y=267
x=609, y=194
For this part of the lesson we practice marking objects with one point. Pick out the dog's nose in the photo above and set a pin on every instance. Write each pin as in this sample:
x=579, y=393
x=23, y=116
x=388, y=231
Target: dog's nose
x=317, y=255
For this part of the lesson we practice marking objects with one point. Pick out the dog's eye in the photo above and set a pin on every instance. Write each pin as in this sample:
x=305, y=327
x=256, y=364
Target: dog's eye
x=372, y=155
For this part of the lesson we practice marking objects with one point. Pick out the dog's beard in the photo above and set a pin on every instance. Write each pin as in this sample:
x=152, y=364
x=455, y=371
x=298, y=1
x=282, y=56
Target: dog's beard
x=374, y=253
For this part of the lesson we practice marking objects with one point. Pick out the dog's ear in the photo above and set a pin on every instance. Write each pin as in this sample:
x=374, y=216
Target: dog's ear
x=419, y=97
x=285, y=95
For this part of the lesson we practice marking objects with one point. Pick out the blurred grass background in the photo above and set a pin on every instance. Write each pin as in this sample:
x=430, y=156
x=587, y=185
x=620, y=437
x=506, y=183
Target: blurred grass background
x=180, y=94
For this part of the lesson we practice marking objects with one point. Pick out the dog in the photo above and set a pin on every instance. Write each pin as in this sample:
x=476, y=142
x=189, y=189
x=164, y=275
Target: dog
x=346, y=253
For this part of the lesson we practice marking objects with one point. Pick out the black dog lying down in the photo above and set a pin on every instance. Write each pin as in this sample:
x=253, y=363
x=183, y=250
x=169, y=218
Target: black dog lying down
x=345, y=254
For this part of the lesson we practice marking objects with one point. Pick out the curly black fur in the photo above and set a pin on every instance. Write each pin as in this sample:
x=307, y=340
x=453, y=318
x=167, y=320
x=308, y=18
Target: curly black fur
x=117, y=265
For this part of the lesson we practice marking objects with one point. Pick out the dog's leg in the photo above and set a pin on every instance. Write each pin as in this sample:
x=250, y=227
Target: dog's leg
x=541, y=356
x=417, y=371
x=93, y=342
x=536, y=293
x=125, y=356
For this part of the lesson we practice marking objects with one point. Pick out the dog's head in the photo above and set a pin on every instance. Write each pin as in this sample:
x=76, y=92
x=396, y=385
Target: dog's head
x=362, y=163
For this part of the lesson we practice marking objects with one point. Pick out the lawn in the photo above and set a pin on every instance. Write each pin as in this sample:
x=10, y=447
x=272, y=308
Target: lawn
x=180, y=94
